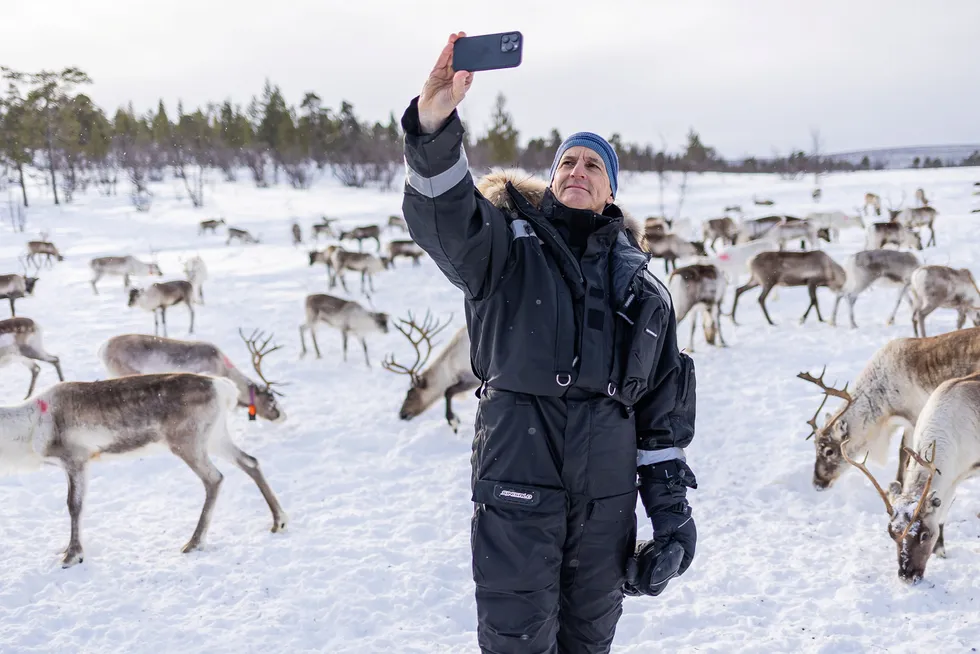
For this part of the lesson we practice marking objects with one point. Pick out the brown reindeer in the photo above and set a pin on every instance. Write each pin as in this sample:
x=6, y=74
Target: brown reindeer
x=210, y=225
x=241, y=235
x=671, y=247
x=346, y=316
x=719, y=228
x=37, y=249
x=160, y=296
x=449, y=374
x=812, y=269
x=20, y=342
x=361, y=233
x=404, y=248
x=297, y=234
x=702, y=286
x=73, y=423
x=941, y=287
x=14, y=287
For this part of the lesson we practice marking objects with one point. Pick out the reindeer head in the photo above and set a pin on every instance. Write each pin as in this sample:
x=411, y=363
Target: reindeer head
x=134, y=296
x=155, y=270
x=262, y=398
x=29, y=279
x=420, y=336
x=828, y=439
x=314, y=255
x=381, y=321
x=914, y=521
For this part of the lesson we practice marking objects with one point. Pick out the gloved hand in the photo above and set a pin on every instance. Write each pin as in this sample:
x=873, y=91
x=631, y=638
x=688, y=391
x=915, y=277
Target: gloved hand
x=669, y=554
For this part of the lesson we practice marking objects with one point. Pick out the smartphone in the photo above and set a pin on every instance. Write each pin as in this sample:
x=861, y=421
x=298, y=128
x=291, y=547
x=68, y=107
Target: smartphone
x=488, y=51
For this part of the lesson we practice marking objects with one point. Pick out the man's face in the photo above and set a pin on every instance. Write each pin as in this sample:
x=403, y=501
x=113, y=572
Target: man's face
x=581, y=181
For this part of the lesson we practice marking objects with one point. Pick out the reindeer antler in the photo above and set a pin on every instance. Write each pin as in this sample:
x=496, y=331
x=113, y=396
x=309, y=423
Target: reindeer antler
x=258, y=351
x=864, y=469
x=930, y=465
x=828, y=392
x=426, y=331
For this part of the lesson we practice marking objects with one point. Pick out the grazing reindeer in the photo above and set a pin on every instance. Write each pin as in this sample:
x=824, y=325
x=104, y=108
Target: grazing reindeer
x=811, y=269
x=784, y=232
x=297, y=234
x=361, y=233
x=241, y=235
x=920, y=196
x=75, y=422
x=196, y=272
x=702, y=286
x=735, y=208
x=723, y=228
x=325, y=257
x=161, y=295
x=762, y=203
x=20, y=341
x=140, y=354
x=449, y=375
x=890, y=391
x=949, y=429
x=734, y=260
x=671, y=247
x=36, y=249
x=324, y=227
x=210, y=225
x=756, y=228
x=656, y=225
x=397, y=222
x=882, y=234
x=344, y=315
x=866, y=267
x=834, y=221
x=366, y=264
x=406, y=248
x=14, y=287
x=126, y=267
x=916, y=217
x=874, y=201
x=941, y=287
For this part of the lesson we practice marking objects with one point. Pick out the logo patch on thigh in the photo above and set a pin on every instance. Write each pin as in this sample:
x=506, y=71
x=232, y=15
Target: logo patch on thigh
x=516, y=495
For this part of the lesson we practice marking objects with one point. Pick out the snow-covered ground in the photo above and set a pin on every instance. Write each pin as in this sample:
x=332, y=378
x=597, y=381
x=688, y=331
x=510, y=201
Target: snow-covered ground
x=376, y=554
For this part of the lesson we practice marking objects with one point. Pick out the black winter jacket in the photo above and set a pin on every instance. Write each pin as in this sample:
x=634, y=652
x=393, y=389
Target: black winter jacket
x=542, y=320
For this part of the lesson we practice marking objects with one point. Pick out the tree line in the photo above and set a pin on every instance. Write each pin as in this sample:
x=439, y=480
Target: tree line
x=48, y=123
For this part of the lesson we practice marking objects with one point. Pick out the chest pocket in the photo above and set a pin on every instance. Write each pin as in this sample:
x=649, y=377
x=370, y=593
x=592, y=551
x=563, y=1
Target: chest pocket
x=639, y=341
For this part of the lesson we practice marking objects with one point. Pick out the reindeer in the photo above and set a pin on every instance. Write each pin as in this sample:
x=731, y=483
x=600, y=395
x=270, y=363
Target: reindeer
x=406, y=248
x=949, y=429
x=365, y=263
x=210, y=225
x=715, y=228
x=916, y=217
x=756, y=228
x=196, y=272
x=73, y=423
x=874, y=201
x=941, y=287
x=811, y=269
x=161, y=295
x=397, y=222
x=784, y=232
x=734, y=208
x=126, y=267
x=733, y=261
x=762, y=203
x=656, y=225
x=140, y=354
x=834, y=221
x=20, y=341
x=42, y=248
x=920, y=196
x=449, y=374
x=866, y=267
x=325, y=257
x=324, y=227
x=701, y=286
x=241, y=235
x=13, y=287
x=882, y=234
x=671, y=247
x=361, y=233
x=297, y=234
x=889, y=392
x=344, y=315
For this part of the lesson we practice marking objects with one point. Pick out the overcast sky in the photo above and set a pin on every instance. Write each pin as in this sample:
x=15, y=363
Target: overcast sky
x=752, y=76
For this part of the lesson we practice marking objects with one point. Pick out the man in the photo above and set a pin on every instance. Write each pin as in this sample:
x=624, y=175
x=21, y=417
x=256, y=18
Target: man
x=584, y=390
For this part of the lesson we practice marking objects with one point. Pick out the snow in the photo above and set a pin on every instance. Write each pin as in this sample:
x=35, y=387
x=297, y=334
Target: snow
x=376, y=554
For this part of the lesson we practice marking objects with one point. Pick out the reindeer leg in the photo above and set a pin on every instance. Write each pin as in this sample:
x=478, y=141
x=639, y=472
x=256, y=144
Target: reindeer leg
x=343, y=282
x=75, y=470
x=316, y=346
x=898, y=303
x=738, y=291
x=250, y=466
x=302, y=341
x=13, y=312
x=694, y=322
x=451, y=417
x=363, y=278
x=97, y=277
x=762, y=303
x=35, y=371
x=833, y=316
x=378, y=241
x=30, y=352
x=343, y=335
x=939, y=549
x=813, y=301
x=190, y=308
x=125, y=282
x=366, y=359
x=851, y=300
x=201, y=464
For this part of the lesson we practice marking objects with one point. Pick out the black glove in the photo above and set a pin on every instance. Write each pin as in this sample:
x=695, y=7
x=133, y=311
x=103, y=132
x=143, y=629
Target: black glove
x=663, y=491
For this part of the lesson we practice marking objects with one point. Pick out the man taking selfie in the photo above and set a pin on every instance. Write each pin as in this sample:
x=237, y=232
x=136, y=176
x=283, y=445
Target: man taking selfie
x=585, y=399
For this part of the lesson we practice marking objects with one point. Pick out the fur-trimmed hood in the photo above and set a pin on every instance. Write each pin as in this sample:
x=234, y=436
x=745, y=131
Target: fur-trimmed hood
x=493, y=186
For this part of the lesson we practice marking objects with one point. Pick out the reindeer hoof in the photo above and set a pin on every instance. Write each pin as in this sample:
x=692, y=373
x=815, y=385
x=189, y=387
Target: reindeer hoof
x=72, y=557
x=191, y=546
x=279, y=524
x=940, y=551
x=454, y=425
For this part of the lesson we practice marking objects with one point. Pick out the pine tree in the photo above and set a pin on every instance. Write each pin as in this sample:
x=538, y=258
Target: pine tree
x=501, y=139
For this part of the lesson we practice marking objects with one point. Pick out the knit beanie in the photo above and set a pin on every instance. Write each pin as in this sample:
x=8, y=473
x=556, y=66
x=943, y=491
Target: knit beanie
x=598, y=145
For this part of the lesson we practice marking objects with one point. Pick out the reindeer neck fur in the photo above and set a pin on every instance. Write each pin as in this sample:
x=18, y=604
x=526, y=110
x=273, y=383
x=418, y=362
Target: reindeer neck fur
x=493, y=187
x=445, y=369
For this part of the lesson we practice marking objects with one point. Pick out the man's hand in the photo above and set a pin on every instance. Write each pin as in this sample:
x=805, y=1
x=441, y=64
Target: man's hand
x=444, y=89
x=668, y=555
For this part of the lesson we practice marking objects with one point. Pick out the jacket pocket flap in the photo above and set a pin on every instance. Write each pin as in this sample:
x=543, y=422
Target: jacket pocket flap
x=614, y=508
x=532, y=498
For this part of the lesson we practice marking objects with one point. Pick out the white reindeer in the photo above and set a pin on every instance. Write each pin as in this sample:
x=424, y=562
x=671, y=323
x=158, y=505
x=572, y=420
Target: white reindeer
x=158, y=297
x=126, y=267
x=941, y=287
x=346, y=316
x=196, y=272
x=834, y=221
x=449, y=374
x=140, y=354
x=21, y=342
x=915, y=218
x=733, y=261
x=866, y=267
x=703, y=287
x=73, y=423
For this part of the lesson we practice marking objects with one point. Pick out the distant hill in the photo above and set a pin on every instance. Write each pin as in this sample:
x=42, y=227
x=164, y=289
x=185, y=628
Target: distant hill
x=903, y=157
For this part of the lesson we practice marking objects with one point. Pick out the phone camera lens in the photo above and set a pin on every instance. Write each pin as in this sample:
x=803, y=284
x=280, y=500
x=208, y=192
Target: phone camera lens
x=506, y=39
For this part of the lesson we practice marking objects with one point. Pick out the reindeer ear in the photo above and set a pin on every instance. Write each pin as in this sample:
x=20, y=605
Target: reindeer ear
x=826, y=417
x=894, y=489
x=935, y=500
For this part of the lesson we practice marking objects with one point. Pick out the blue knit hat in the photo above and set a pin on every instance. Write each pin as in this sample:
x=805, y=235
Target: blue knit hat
x=598, y=145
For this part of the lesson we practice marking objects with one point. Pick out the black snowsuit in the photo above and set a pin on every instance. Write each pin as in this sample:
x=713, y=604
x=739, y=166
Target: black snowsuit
x=575, y=342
